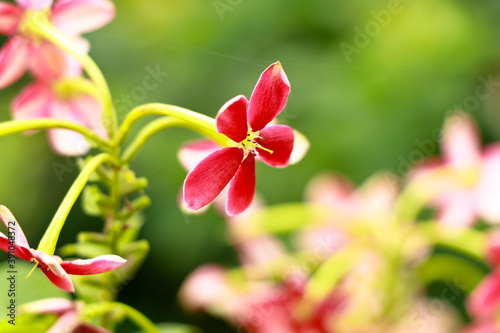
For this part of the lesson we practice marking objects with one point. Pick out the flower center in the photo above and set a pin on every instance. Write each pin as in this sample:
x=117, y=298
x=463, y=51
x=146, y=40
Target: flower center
x=249, y=144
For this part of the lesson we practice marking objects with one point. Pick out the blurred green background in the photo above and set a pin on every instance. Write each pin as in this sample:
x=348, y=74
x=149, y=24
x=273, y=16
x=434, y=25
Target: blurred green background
x=376, y=107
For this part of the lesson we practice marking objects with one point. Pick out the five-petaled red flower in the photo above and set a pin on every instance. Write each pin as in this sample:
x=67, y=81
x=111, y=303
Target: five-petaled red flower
x=246, y=124
x=52, y=266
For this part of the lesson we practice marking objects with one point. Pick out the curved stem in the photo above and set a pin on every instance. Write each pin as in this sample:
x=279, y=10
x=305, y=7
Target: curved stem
x=147, y=132
x=19, y=126
x=99, y=309
x=44, y=29
x=49, y=240
x=196, y=121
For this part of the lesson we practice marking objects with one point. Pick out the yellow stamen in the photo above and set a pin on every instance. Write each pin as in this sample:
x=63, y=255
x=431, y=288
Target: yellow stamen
x=256, y=145
x=27, y=277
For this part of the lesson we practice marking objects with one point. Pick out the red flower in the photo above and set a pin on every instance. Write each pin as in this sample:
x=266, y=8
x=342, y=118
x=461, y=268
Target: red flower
x=52, y=266
x=251, y=136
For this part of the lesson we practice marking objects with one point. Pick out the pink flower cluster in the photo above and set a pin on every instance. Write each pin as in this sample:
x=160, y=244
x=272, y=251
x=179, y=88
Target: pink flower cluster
x=50, y=66
x=283, y=286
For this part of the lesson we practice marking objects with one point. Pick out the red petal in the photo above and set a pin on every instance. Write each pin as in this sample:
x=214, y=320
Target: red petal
x=87, y=328
x=97, y=265
x=485, y=299
x=210, y=176
x=10, y=17
x=53, y=270
x=269, y=97
x=242, y=187
x=279, y=139
x=232, y=119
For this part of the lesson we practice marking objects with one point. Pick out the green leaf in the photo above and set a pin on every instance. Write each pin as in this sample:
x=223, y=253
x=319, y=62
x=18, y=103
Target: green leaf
x=279, y=219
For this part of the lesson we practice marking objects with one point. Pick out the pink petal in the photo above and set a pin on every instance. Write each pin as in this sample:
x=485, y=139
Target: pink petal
x=32, y=102
x=56, y=306
x=49, y=62
x=461, y=143
x=35, y=4
x=242, y=187
x=10, y=17
x=457, y=209
x=90, y=111
x=269, y=97
x=193, y=152
x=261, y=252
x=210, y=176
x=330, y=190
x=97, y=265
x=204, y=287
x=10, y=221
x=66, y=142
x=485, y=299
x=232, y=119
x=14, y=60
x=53, y=270
x=488, y=189
x=68, y=322
x=279, y=139
x=76, y=17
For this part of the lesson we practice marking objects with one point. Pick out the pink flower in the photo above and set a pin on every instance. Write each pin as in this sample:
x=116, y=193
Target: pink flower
x=42, y=100
x=22, y=51
x=251, y=136
x=465, y=183
x=484, y=302
x=67, y=313
x=259, y=306
x=52, y=266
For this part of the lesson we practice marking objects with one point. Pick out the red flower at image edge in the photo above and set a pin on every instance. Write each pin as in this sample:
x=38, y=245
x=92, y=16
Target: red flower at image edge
x=53, y=267
x=246, y=124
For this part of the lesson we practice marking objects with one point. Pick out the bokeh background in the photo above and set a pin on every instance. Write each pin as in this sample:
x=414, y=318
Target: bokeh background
x=366, y=103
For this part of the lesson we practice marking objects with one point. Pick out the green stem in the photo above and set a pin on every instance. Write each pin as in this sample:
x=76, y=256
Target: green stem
x=19, y=126
x=49, y=240
x=43, y=28
x=147, y=132
x=135, y=316
x=196, y=121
